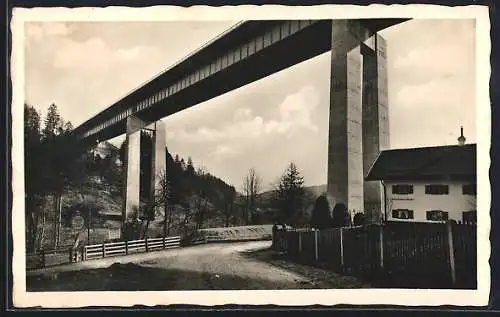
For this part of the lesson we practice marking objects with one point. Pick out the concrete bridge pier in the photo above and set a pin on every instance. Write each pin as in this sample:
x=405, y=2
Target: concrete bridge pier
x=131, y=182
x=358, y=126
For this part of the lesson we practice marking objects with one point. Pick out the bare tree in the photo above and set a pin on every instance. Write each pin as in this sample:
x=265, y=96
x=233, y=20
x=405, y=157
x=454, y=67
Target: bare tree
x=251, y=187
x=201, y=208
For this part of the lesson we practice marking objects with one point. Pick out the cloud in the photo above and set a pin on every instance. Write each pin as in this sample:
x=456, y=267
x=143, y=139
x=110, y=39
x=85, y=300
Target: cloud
x=294, y=114
x=94, y=54
x=37, y=31
x=223, y=151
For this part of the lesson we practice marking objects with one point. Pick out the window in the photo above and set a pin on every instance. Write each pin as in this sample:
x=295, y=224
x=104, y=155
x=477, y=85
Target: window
x=469, y=189
x=469, y=216
x=437, y=215
x=402, y=189
x=402, y=214
x=436, y=189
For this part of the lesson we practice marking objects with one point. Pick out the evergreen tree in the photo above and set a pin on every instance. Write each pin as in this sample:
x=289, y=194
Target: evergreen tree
x=34, y=189
x=289, y=195
x=320, y=217
x=53, y=122
x=190, y=167
x=340, y=216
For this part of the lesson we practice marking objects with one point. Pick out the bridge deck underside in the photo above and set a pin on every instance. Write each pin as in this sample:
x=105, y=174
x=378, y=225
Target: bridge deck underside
x=307, y=43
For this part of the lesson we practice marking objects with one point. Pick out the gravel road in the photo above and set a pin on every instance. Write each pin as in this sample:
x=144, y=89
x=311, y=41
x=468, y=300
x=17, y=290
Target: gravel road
x=212, y=266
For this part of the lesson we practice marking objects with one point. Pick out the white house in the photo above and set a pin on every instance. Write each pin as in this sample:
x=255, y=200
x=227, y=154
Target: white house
x=429, y=183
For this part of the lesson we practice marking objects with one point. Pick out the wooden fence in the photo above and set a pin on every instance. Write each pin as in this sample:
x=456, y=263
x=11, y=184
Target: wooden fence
x=129, y=247
x=48, y=257
x=441, y=254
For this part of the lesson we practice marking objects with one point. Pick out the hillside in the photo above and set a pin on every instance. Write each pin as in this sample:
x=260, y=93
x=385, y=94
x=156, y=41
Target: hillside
x=265, y=201
x=197, y=200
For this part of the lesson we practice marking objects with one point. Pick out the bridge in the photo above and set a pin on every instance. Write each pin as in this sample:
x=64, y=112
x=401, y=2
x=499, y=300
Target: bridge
x=252, y=50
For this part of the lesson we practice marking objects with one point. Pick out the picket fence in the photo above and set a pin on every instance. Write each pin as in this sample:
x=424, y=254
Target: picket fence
x=443, y=254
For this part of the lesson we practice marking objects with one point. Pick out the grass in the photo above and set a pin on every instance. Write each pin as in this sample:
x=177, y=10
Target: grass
x=320, y=276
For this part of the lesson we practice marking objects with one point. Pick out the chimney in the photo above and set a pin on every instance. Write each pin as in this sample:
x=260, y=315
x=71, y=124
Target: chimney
x=461, y=138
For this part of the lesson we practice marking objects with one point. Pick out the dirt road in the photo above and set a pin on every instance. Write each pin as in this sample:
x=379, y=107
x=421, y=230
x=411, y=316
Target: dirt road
x=213, y=266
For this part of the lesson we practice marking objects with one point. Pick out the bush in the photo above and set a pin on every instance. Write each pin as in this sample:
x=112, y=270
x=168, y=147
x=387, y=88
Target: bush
x=359, y=219
x=320, y=217
x=340, y=216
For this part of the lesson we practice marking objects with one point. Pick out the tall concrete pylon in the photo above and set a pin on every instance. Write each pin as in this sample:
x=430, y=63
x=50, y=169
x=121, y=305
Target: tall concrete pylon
x=358, y=124
x=131, y=182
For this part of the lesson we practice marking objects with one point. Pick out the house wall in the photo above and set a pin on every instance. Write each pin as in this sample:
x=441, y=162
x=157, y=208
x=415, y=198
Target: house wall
x=455, y=202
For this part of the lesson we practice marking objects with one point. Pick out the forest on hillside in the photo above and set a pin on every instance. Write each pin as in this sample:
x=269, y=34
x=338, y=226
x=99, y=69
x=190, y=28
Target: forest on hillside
x=65, y=179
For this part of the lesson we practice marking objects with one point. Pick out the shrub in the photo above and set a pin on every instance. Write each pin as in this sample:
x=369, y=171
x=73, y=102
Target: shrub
x=359, y=219
x=320, y=217
x=340, y=216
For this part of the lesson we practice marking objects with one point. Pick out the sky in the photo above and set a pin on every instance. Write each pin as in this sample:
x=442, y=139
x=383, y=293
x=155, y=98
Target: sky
x=84, y=67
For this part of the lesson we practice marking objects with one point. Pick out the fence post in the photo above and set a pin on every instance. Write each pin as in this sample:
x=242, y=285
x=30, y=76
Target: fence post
x=146, y=243
x=451, y=251
x=316, y=244
x=126, y=247
x=381, y=240
x=103, y=250
x=42, y=258
x=300, y=242
x=341, y=246
x=163, y=240
x=84, y=253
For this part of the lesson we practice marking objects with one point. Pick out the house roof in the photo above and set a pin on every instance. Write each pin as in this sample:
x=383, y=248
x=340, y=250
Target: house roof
x=451, y=162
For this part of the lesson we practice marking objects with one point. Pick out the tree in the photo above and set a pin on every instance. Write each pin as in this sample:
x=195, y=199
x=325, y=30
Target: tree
x=251, y=188
x=340, y=216
x=190, y=167
x=320, y=217
x=289, y=195
x=34, y=189
x=53, y=122
x=202, y=198
x=63, y=160
x=163, y=202
x=228, y=209
x=183, y=164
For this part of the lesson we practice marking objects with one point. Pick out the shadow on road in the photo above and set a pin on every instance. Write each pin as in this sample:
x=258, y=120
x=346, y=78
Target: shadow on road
x=134, y=277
